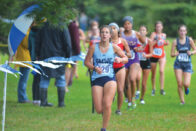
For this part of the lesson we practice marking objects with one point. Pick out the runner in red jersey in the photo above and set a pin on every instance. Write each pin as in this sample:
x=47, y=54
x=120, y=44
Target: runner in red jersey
x=119, y=68
x=159, y=41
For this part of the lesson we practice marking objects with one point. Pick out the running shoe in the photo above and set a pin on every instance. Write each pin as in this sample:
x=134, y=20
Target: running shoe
x=134, y=106
x=118, y=112
x=129, y=106
x=162, y=92
x=137, y=95
x=186, y=91
x=153, y=93
x=182, y=103
x=142, y=102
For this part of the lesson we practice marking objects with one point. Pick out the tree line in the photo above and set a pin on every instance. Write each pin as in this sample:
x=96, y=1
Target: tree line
x=145, y=12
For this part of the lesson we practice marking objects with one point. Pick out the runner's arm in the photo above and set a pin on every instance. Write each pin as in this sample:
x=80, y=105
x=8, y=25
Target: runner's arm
x=166, y=41
x=127, y=49
x=88, y=58
x=152, y=36
x=173, y=49
x=192, y=46
x=150, y=49
x=140, y=37
x=123, y=58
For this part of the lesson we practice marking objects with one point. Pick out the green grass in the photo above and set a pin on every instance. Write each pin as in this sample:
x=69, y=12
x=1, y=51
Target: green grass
x=159, y=113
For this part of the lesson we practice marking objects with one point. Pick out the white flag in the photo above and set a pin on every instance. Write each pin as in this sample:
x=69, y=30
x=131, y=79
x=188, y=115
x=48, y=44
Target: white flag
x=46, y=64
x=7, y=71
x=20, y=63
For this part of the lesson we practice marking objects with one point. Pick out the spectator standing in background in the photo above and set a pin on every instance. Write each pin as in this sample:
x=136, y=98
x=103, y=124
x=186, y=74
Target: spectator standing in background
x=83, y=21
x=53, y=42
x=71, y=71
x=23, y=54
x=36, y=77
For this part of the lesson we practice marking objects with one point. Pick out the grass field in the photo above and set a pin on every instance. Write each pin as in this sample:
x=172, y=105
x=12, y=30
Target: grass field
x=160, y=113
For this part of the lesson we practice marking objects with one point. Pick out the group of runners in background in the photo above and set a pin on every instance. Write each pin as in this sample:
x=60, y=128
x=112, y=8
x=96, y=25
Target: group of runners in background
x=120, y=57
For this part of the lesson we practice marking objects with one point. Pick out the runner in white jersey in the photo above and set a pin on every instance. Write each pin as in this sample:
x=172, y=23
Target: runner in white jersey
x=145, y=52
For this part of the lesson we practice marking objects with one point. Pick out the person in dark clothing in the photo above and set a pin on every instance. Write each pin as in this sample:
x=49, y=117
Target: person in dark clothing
x=75, y=38
x=36, y=77
x=71, y=71
x=53, y=42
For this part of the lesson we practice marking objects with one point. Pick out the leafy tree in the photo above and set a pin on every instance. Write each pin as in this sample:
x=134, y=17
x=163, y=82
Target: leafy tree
x=58, y=11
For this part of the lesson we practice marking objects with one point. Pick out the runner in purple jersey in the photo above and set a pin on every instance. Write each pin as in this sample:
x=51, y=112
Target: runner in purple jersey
x=132, y=42
x=132, y=67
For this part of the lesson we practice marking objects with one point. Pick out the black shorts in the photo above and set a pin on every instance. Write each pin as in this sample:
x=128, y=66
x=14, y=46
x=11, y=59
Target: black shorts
x=154, y=60
x=102, y=80
x=145, y=64
x=117, y=69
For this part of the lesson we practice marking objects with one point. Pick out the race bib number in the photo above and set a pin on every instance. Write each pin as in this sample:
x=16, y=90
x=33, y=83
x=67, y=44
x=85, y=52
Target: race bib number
x=183, y=57
x=157, y=51
x=141, y=57
x=160, y=42
x=105, y=68
x=132, y=55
